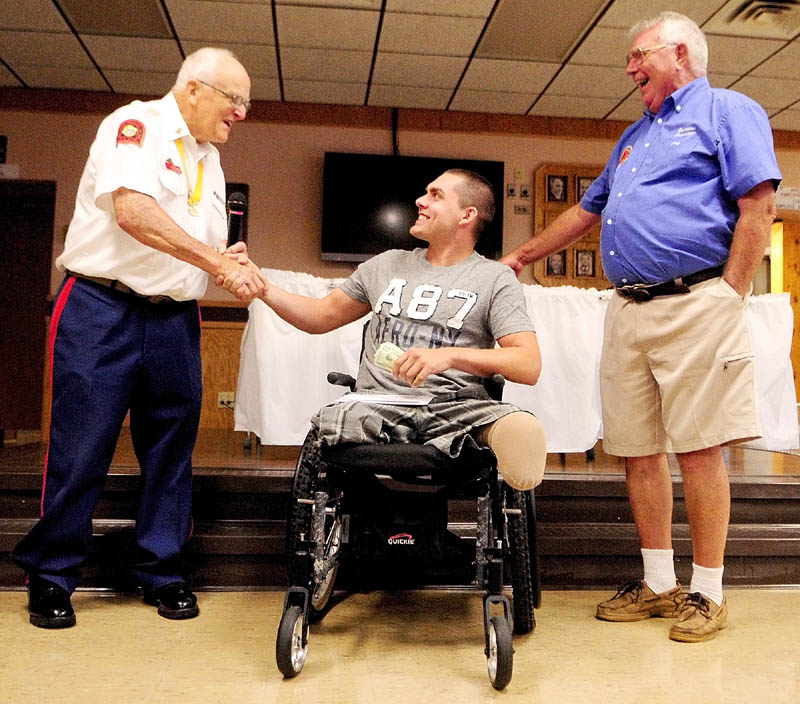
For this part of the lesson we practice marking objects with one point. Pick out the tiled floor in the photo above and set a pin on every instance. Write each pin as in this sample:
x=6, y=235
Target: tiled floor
x=395, y=648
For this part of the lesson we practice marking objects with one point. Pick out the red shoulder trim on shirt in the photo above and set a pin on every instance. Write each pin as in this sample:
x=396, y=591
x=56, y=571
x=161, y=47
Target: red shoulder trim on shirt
x=130, y=132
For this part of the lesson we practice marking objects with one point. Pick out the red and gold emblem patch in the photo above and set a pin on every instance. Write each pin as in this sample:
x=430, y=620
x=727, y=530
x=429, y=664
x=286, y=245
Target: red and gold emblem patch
x=625, y=154
x=130, y=132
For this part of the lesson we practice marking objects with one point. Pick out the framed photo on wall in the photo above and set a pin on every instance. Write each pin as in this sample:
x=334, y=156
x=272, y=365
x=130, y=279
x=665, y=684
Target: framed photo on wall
x=556, y=189
x=581, y=184
x=584, y=263
x=556, y=264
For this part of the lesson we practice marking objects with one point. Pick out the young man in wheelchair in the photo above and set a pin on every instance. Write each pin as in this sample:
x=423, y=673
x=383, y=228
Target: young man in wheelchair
x=445, y=306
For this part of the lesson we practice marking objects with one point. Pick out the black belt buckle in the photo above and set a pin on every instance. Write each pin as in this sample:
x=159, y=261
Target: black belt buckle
x=638, y=292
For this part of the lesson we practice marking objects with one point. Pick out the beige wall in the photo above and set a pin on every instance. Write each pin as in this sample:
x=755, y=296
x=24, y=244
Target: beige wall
x=282, y=163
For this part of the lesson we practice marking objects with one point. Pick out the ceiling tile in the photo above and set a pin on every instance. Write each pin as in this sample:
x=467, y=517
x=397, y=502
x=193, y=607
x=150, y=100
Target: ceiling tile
x=492, y=101
x=32, y=14
x=7, y=78
x=325, y=28
x=722, y=80
x=630, y=110
x=769, y=92
x=578, y=106
x=512, y=76
x=604, y=46
x=318, y=92
x=454, y=8
x=782, y=65
x=786, y=120
x=64, y=77
x=134, y=54
x=258, y=59
x=141, y=82
x=429, y=34
x=732, y=55
x=325, y=65
x=626, y=13
x=144, y=18
x=416, y=70
x=222, y=22
x=543, y=30
x=42, y=49
x=409, y=97
x=347, y=4
x=591, y=81
x=264, y=88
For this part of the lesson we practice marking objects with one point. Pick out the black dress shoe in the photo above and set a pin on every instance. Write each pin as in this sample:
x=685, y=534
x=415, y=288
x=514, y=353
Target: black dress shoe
x=49, y=605
x=174, y=600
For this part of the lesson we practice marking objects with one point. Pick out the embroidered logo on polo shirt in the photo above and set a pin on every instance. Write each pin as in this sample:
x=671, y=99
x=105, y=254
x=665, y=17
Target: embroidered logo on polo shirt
x=625, y=154
x=130, y=132
x=172, y=166
x=685, y=132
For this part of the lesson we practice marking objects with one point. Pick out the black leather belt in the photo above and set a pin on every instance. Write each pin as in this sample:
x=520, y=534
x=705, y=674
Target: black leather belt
x=122, y=288
x=645, y=292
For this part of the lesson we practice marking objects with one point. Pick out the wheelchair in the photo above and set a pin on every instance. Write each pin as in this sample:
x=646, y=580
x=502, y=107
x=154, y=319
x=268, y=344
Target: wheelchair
x=380, y=514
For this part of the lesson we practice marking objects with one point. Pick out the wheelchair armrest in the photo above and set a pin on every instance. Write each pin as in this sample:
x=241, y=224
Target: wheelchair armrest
x=340, y=379
x=494, y=386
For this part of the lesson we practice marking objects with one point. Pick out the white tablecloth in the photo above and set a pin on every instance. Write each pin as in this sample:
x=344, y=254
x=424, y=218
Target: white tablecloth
x=282, y=371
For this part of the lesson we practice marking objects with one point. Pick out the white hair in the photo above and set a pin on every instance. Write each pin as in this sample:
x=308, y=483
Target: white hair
x=201, y=65
x=679, y=29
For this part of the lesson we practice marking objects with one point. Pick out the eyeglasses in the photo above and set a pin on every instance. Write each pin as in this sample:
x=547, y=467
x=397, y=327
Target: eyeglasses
x=639, y=54
x=237, y=101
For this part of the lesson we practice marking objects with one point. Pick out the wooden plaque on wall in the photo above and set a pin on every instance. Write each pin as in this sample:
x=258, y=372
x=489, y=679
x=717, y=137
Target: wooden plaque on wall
x=557, y=187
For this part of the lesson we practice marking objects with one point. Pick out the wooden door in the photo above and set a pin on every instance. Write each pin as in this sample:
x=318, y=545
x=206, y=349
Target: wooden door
x=26, y=238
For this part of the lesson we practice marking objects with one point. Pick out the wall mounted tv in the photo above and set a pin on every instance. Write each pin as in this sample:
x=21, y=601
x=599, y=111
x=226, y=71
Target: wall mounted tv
x=368, y=202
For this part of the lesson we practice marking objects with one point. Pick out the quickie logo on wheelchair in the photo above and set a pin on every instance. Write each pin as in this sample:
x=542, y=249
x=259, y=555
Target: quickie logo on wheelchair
x=401, y=539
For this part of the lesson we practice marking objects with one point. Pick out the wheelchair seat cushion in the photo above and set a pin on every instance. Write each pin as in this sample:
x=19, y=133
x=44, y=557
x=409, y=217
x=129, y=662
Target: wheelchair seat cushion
x=407, y=462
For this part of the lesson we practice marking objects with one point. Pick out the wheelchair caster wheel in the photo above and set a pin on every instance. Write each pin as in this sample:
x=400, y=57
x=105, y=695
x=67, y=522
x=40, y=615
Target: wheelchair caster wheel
x=500, y=656
x=291, y=646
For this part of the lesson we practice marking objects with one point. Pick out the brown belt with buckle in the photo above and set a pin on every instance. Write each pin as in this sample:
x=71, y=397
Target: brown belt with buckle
x=122, y=288
x=645, y=292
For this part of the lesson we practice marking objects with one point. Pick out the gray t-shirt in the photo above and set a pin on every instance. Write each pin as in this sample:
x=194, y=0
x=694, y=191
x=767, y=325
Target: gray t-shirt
x=414, y=304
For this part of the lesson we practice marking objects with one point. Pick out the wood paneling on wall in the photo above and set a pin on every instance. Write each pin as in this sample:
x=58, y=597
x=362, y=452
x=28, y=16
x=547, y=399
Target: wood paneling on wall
x=49, y=100
x=791, y=281
x=219, y=347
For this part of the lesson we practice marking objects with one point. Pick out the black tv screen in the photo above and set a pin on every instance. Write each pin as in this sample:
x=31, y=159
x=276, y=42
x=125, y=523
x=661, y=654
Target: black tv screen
x=368, y=203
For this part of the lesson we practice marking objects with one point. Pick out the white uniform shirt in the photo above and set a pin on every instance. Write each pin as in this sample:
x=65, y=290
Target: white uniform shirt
x=135, y=148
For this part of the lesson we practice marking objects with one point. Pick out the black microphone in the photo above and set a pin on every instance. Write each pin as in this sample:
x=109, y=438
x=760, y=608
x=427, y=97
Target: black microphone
x=237, y=210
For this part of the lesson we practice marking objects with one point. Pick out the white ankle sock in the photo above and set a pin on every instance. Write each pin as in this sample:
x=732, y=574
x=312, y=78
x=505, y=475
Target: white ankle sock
x=659, y=569
x=707, y=581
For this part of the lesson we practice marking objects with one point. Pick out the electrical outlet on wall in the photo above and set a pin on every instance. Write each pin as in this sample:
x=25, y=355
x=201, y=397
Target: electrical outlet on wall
x=225, y=399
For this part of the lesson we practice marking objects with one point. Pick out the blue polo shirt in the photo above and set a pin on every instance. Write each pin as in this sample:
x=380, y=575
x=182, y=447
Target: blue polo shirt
x=667, y=196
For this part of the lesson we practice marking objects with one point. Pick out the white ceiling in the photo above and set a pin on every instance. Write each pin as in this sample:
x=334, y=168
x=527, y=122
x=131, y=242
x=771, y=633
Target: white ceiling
x=536, y=57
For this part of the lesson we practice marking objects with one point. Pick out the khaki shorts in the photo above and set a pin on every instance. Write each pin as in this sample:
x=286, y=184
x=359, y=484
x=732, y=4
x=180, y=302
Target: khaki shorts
x=677, y=373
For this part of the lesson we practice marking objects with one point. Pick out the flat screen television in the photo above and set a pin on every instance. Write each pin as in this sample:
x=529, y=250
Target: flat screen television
x=368, y=203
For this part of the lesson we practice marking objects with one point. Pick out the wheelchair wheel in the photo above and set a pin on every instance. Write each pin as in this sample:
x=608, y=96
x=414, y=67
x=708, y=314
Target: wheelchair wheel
x=291, y=646
x=500, y=658
x=300, y=524
x=519, y=557
x=321, y=593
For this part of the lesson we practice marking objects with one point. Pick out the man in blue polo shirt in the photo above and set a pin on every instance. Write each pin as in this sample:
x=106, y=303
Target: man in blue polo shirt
x=686, y=203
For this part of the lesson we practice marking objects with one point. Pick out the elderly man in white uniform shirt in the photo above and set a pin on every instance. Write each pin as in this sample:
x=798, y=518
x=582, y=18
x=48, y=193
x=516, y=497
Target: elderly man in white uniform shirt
x=148, y=229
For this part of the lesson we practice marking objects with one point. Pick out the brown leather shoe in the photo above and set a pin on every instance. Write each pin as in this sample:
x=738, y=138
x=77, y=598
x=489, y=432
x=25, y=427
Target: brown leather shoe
x=635, y=601
x=699, y=619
